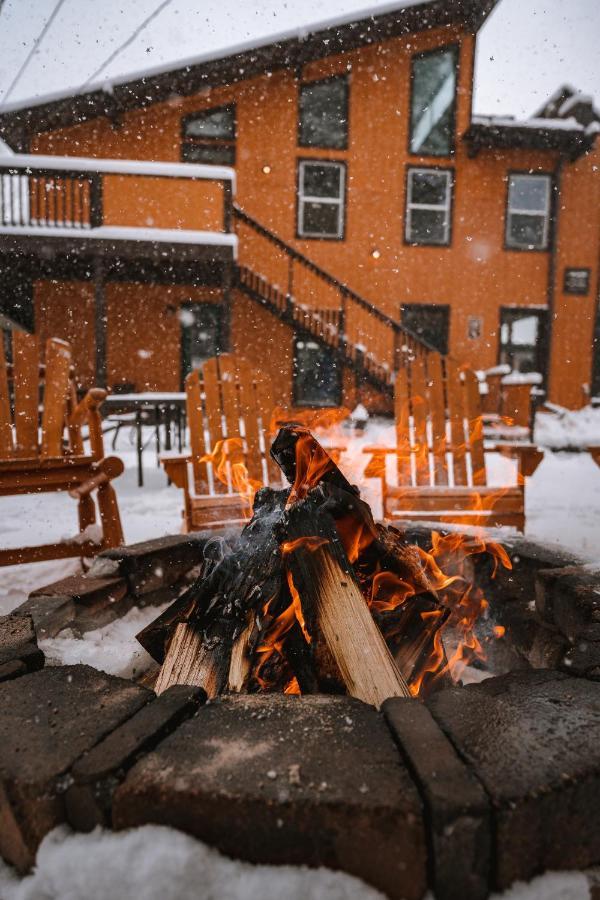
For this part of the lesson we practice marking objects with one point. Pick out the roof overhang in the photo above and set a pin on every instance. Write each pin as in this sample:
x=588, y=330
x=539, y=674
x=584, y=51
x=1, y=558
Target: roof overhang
x=17, y=124
x=569, y=142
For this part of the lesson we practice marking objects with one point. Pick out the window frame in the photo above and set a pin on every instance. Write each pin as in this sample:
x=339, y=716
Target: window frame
x=299, y=335
x=449, y=208
x=301, y=199
x=544, y=325
x=216, y=143
x=342, y=76
x=455, y=48
x=549, y=224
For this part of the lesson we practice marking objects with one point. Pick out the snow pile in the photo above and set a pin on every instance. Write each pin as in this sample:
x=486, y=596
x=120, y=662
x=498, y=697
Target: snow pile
x=568, y=429
x=159, y=863
x=112, y=648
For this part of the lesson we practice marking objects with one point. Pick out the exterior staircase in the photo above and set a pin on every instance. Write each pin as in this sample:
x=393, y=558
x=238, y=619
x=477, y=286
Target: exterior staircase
x=316, y=304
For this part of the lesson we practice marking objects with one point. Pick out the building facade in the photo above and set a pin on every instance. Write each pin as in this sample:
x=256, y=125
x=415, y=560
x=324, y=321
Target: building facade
x=364, y=189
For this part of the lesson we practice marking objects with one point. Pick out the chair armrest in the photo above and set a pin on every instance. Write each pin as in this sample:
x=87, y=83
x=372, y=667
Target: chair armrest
x=176, y=467
x=375, y=468
x=528, y=455
x=89, y=403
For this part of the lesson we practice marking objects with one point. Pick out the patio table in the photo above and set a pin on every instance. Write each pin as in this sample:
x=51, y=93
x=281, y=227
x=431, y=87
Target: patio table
x=166, y=408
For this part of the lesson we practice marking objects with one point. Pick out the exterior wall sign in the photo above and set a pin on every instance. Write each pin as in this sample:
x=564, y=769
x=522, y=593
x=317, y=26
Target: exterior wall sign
x=577, y=281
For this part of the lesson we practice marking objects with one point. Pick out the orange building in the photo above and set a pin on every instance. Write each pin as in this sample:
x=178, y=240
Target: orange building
x=316, y=205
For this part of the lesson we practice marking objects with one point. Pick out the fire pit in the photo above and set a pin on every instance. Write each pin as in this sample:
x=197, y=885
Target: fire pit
x=424, y=781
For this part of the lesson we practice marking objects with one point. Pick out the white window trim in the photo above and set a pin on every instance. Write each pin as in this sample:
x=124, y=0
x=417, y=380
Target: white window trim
x=332, y=201
x=516, y=211
x=436, y=207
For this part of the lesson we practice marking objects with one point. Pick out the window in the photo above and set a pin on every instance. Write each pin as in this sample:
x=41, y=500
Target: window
x=429, y=321
x=428, y=206
x=528, y=213
x=521, y=339
x=321, y=199
x=317, y=380
x=324, y=114
x=209, y=136
x=201, y=334
x=433, y=96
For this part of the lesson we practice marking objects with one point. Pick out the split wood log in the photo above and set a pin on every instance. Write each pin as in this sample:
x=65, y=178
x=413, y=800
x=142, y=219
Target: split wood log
x=240, y=664
x=324, y=579
x=190, y=660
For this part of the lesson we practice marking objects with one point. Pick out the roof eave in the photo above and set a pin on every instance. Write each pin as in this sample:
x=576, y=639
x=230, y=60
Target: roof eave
x=17, y=125
x=571, y=144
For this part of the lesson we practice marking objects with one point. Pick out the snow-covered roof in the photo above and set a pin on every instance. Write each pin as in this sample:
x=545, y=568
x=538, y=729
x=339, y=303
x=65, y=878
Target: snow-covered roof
x=285, y=48
x=122, y=233
x=569, y=124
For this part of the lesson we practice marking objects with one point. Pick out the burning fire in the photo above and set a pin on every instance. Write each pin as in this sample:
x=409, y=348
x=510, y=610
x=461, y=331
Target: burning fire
x=227, y=461
x=449, y=634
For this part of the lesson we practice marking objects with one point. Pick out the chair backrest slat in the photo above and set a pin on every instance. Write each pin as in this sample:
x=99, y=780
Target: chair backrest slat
x=402, y=415
x=475, y=426
x=6, y=434
x=437, y=408
x=56, y=392
x=26, y=361
x=195, y=417
x=250, y=411
x=456, y=417
x=228, y=378
x=420, y=414
x=214, y=410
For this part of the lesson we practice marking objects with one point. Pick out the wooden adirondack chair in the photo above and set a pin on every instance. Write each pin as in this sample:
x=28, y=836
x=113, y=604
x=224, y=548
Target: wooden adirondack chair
x=440, y=452
x=52, y=457
x=225, y=403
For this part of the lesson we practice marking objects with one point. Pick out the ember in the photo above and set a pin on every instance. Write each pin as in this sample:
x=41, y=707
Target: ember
x=315, y=596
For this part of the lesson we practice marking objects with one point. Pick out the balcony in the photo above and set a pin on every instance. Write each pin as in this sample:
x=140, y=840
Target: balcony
x=104, y=208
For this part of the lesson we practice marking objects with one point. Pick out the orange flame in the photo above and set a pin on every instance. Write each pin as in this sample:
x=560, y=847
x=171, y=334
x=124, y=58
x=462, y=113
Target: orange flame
x=313, y=419
x=227, y=460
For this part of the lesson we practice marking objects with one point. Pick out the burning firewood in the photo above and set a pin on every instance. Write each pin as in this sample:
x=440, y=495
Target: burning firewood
x=313, y=596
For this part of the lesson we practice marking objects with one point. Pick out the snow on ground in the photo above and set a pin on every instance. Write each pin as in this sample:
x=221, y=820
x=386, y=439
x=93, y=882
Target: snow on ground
x=112, y=649
x=568, y=429
x=159, y=863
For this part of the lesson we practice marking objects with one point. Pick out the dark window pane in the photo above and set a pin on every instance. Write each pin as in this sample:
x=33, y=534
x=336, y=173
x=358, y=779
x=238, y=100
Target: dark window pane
x=214, y=154
x=526, y=231
x=321, y=218
x=324, y=114
x=429, y=322
x=528, y=193
x=214, y=123
x=321, y=181
x=201, y=329
x=316, y=375
x=427, y=226
x=429, y=187
x=432, y=104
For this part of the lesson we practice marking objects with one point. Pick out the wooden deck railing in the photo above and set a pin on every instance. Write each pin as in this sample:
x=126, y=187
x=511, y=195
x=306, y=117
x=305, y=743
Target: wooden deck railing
x=81, y=194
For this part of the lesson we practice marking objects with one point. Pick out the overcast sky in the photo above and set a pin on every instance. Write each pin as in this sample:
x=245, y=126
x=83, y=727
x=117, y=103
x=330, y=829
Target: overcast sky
x=525, y=51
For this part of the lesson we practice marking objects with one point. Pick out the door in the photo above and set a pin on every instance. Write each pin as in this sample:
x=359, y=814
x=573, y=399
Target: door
x=317, y=375
x=596, y=356
x=201, y=334
x=523, y=339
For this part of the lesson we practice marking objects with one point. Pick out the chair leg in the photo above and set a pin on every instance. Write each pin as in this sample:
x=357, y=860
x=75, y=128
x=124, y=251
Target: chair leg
x=112, y=531
x=86, y=510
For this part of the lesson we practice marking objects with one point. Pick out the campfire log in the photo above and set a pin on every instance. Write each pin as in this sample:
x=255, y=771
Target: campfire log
x=286, y=605
x=324, y=579
x=190, y=660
